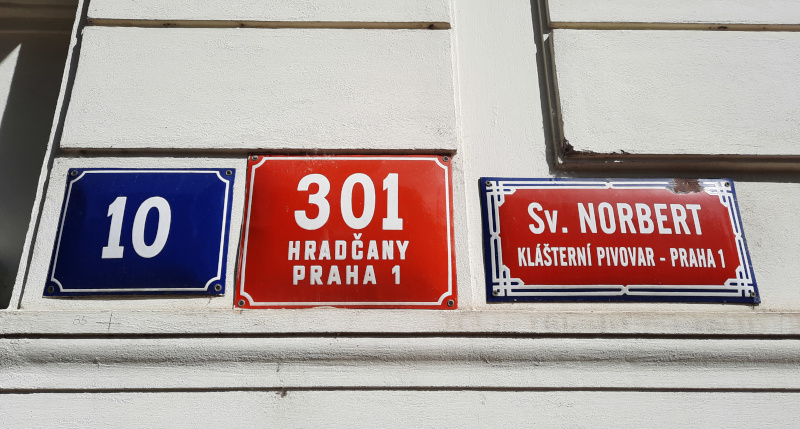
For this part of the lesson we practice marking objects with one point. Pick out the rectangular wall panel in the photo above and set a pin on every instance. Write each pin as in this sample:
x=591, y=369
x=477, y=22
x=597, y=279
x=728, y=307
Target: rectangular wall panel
x=679, y=92
x=398, y=408
x=275, y=10
x=262, y=89
x=676, y=11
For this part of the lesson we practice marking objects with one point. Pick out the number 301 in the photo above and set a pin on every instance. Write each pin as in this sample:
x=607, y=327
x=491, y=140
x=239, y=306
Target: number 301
x=391, y=222
x=116, y=211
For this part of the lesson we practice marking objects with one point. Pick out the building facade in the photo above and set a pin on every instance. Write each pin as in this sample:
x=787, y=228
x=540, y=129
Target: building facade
x=517, y=88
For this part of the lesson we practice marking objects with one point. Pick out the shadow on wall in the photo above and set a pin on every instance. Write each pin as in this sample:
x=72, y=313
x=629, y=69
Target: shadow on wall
x=31, y=67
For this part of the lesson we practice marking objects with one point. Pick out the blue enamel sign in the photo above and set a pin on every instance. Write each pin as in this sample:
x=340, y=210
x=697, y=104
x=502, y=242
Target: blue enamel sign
x=142, y=232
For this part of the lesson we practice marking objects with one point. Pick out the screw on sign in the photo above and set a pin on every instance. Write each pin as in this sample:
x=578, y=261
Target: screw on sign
x=347, y=231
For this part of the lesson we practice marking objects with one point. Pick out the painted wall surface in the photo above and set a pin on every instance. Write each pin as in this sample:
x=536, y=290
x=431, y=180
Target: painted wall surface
x=296, y=89
x=685, y=87
x=765, y=12
x=413, y=408
x=487, y=83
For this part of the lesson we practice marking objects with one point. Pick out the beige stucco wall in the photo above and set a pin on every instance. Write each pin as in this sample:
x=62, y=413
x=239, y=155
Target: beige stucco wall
x=475, y=87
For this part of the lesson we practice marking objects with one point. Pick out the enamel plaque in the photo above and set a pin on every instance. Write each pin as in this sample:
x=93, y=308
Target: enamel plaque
x=146, y=231
x=347, y=231
x=614, y=240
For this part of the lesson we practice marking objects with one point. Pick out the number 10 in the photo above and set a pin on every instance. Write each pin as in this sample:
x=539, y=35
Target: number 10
x=116, y=211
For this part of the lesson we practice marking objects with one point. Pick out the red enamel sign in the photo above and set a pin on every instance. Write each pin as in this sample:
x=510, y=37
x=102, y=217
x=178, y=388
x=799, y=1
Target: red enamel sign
x=347, y=231
x=614, y=240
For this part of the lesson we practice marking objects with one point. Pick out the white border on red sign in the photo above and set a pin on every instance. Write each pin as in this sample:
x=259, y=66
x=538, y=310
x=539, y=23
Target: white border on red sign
x=503, y=284
x=349, y=303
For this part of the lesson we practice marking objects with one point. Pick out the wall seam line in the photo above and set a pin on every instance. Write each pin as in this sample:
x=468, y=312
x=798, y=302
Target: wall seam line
x=345, y=25
x=699, y=26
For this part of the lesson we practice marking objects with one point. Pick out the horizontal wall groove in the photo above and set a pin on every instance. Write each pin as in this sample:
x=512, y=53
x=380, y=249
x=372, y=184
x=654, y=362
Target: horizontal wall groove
x=755, y=166
x=244, y=153
x=352, y=25
x=390, y=335
x=705, y=26
x=284, y=390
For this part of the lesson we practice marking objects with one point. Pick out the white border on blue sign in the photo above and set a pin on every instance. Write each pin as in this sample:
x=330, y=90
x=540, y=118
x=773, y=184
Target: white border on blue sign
x=176, y=289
